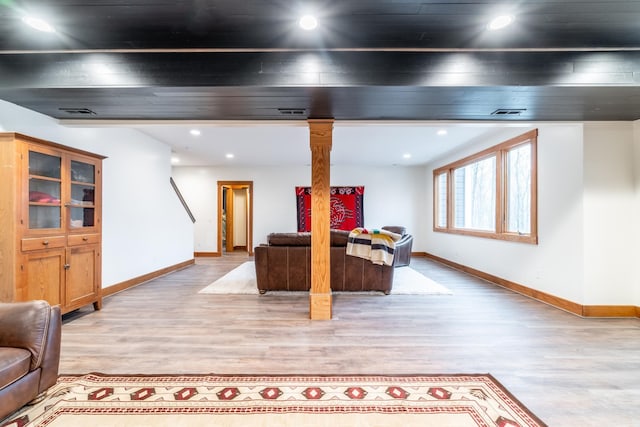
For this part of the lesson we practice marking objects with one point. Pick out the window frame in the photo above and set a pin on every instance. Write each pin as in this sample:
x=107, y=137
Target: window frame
x=500, y=152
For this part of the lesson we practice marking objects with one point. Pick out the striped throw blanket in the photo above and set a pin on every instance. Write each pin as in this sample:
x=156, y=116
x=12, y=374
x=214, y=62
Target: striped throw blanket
x=378, y=246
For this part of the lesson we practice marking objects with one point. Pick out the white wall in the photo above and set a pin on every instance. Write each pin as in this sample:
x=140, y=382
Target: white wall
x=393, y=196
x=555, y=265
x=636, y=222
x=610, y=248
x=145, y=228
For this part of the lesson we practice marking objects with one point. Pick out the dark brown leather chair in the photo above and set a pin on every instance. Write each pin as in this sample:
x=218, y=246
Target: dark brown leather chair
x=402, y=253
x=29, y=352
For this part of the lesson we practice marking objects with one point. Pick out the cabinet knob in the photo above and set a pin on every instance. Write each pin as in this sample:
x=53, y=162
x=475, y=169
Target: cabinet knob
x=66, y=266
x=85, y=238
x=46, y=242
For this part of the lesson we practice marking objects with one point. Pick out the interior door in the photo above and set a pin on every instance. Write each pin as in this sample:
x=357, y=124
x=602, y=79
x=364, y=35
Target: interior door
x=240, y=218
x=235, y=231
x=229, y=215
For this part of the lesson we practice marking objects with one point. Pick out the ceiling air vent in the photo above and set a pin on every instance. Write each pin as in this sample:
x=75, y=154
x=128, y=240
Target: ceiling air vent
x=78, y=111
x=508, y=111
x=291, y=111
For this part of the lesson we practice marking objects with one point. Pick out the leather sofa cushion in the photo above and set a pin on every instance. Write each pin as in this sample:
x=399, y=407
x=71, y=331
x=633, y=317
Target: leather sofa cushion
x=338, y=238
x=289, y=239
x=14, y=364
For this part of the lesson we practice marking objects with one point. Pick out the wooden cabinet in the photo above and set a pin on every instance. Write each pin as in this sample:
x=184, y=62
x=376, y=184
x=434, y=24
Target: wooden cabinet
x=83, y=268
x=42, y=276
x=50, y=217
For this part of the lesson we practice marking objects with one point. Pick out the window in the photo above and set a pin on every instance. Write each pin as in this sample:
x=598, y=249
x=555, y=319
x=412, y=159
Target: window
x=474, y=195
x=490, y=194
x=518, y=189
x=441, y=194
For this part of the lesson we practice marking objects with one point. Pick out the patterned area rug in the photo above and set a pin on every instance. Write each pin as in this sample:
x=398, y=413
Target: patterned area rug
x=406, y=281
x=435, y=400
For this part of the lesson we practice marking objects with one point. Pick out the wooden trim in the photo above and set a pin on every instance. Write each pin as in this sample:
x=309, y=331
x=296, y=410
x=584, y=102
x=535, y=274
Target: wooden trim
x=32, y=139
x=532, y=293
x=610, y=311
x=127, y=284
x=510, y=237
x=207, y=254
x=10, y=199
x=486, y=153
x=561, y=303
x=534, y=188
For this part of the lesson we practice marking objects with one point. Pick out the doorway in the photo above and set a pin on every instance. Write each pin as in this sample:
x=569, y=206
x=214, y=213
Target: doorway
x=235, y=217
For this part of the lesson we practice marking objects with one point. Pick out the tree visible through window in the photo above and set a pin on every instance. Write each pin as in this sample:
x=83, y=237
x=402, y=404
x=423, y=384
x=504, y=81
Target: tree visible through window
x=475, y=195
x=519, y=189
x=441, y=194
x=490, y=194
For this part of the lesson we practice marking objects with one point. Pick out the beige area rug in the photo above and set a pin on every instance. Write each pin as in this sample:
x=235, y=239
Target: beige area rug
x=330, y=401
x=406, y=280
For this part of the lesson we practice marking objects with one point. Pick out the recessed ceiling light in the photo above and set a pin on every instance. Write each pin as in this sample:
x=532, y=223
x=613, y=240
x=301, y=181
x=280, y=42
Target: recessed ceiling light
x=500, y=22
x=38, y=24
x=175, y=160
x=308, y=22
x=406, y=155
x=194, y=132
x=442, y=132
x=229, y=156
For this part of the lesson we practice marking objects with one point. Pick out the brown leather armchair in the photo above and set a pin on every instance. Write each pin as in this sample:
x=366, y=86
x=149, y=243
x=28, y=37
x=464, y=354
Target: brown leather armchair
x=30, y=335
x=402, y=254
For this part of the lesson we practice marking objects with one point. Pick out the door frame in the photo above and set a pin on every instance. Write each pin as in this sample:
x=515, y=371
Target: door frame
x=230, y=185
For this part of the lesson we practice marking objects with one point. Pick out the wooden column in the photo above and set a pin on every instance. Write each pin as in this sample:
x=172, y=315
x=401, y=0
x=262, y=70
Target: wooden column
x=320, y=296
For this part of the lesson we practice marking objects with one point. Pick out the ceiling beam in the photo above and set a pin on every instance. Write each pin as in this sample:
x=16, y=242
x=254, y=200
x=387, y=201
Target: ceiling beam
x=320, y=69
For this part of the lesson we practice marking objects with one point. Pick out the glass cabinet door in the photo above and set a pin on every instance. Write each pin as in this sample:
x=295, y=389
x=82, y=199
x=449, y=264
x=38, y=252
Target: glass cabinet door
x=45, y=208
x=82, y=204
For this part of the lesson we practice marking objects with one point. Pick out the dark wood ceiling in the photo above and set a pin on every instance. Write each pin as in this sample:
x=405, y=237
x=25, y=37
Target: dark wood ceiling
x=367, y=60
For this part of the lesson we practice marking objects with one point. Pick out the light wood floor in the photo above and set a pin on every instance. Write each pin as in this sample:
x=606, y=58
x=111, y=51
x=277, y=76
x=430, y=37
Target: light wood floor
x=568, y=370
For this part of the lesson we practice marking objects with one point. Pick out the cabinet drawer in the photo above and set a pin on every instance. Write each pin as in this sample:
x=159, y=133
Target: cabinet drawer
x=83, y=239
x=43, y=243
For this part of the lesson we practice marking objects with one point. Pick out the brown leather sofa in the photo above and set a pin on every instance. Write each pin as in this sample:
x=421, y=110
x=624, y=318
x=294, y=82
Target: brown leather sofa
x=284, y=264
x=29, y=352
x=402, y=250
